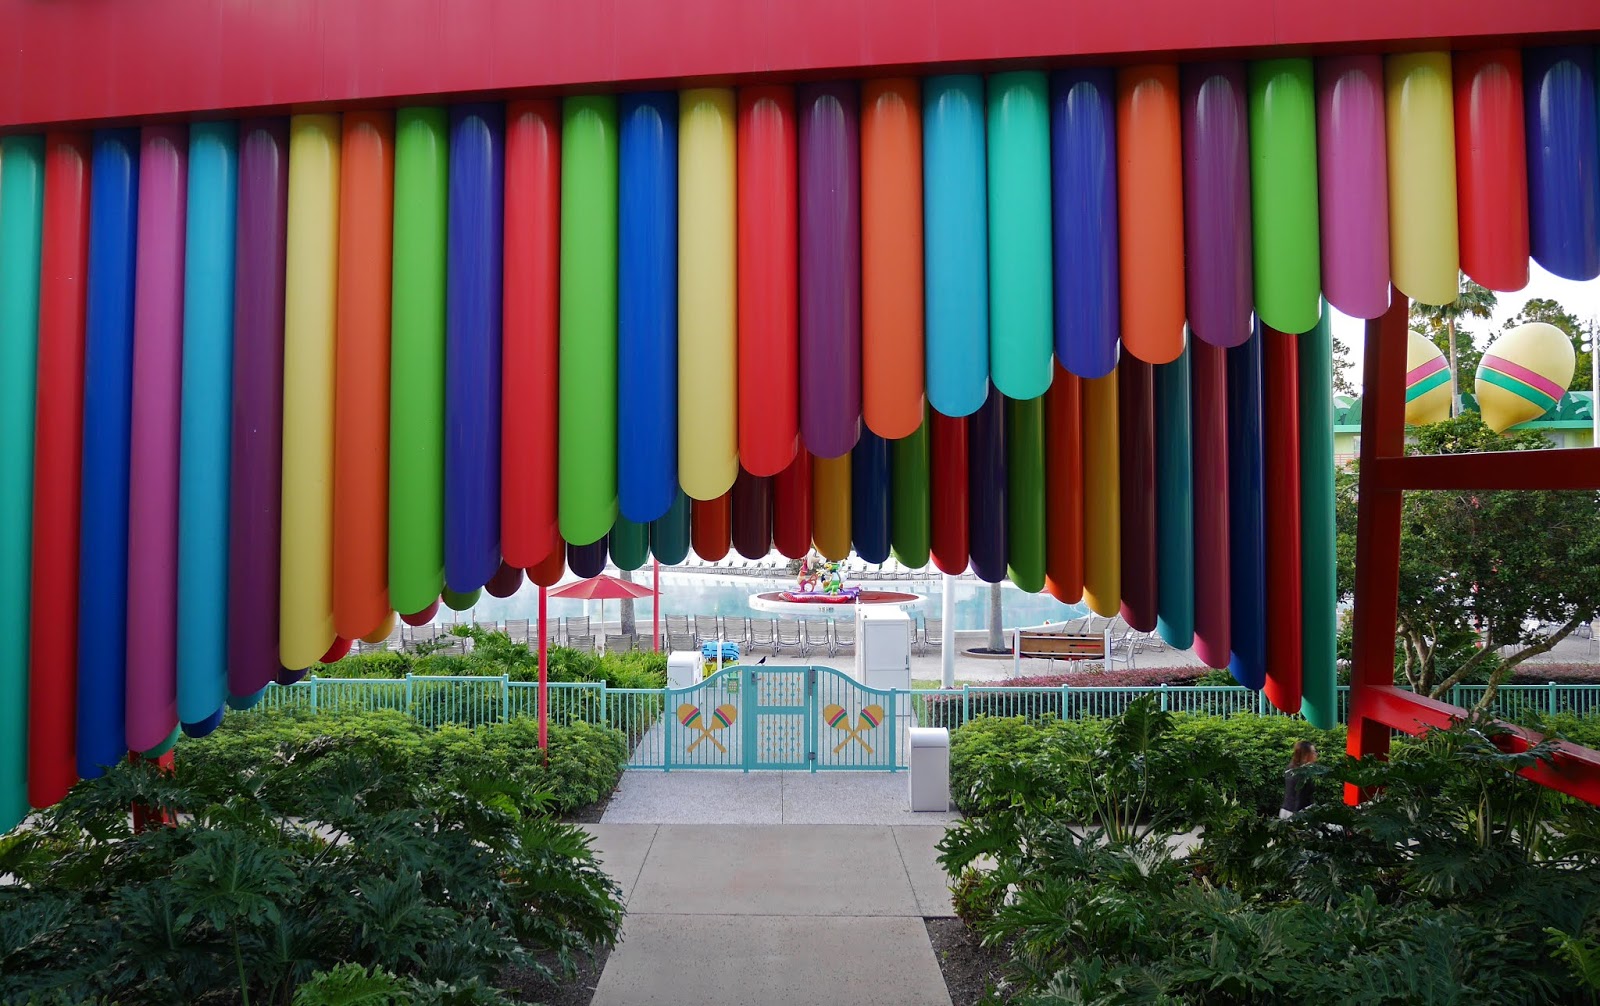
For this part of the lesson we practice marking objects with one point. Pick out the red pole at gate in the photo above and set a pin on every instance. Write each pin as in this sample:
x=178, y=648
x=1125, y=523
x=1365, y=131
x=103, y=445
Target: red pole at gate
x=655, y=604
x=544, y=675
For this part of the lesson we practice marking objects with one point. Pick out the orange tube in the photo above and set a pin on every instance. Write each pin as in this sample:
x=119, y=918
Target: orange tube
x=711, y=526
x=361, y=396
x=1102, y=499
x=1150, y=211
x=891, y=257
x=830, y=506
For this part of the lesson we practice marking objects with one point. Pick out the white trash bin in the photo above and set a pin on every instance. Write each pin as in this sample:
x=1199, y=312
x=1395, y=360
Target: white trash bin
x=930, y=769
x=684, y=668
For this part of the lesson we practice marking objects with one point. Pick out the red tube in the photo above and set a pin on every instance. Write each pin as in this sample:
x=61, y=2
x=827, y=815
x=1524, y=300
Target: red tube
x=947, y=491
x=547, y=572
x=1136, y=441
x=1213, y=637
x=530, y=358
x=1063, y=479
x=422, y=617
x=769, y=317
x=57, y=471
x=791, y=507
x=710, y=526
x=1491, y=167
x=1281, y=425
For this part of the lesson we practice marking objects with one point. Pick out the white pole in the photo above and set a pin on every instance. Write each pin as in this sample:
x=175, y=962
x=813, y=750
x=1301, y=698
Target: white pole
x=947, y=636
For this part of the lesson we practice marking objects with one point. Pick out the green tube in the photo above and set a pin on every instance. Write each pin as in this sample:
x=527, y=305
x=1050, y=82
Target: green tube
x=629, y=543
x=161, y=749
x=21, y=227
x=587, y=505
x=1174, y=504
x=460, y=602
x=1283, y=193
x=910, y=520
x=669, y=535
x=1021, y=285
x=416, y=360
x=1025, y=549
x=1319, y=683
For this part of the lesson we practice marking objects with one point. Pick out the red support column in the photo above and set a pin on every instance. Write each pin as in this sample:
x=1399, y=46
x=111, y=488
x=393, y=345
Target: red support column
x=1377, y=590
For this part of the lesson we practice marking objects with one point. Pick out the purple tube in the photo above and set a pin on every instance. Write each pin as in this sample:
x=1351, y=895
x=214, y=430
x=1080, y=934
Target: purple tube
x=1353, y=171
x=254, y=527
x=986, y=488
x=589, y=560
x=1216, y=202
x=151, y=711
x=830, y=269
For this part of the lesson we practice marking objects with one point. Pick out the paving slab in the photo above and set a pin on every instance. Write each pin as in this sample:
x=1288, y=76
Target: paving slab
x=929, y=882
x=653, y=797
x=814, y=870
x=853, y=798
x=621, y=849
x=733, y=960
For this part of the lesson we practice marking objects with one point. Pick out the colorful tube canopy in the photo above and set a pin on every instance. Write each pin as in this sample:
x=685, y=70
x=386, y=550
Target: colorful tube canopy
x=270, y=383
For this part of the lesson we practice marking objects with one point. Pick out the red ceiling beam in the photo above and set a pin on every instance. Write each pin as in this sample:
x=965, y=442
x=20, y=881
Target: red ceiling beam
x=91, y=60
x=1571, y=468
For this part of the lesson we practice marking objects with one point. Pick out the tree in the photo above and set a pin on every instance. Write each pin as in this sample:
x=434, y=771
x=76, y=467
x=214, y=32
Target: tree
x=997, y=641
x=1344, y=376
x=1482, y=571
x=1551, y=313
x=1442, y=325
x=627, y=624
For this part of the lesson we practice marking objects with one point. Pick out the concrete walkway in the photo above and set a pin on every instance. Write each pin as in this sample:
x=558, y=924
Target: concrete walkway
x=787, y=889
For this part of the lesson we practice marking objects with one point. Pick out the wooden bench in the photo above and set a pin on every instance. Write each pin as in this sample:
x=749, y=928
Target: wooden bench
x=1059, y=646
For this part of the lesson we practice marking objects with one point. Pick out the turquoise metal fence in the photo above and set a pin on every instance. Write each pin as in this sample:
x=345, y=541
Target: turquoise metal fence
x=808, y=718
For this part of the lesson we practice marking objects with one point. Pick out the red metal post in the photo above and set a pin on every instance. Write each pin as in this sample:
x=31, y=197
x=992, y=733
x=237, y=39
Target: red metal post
x=544, y=673
x=655, y=603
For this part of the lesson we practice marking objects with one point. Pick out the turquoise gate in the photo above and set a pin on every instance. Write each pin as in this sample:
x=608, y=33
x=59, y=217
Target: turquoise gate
x=756, y=717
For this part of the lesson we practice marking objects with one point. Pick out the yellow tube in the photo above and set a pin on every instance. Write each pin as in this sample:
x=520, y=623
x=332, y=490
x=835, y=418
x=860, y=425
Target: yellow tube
x=708, y=390
x=830, y=507
x=1424, y=244
x=1102, y=498
x=305, y=626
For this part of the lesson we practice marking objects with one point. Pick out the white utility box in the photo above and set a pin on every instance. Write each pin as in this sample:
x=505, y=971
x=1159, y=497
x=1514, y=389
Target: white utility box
x=883, y=647
x=684, y=668
x=929, y=769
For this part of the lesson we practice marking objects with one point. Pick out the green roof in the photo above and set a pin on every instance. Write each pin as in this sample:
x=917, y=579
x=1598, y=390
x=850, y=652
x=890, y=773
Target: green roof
x=1575, y=411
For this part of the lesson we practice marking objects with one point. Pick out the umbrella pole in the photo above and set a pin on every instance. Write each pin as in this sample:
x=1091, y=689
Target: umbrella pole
x=544, y=676
x=602, y=632
x=655, y=587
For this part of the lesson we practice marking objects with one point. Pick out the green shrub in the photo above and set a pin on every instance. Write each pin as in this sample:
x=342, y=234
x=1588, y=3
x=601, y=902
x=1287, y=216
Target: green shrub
x=494, y=655
x=1240, y=759
x=379, y=859
x=1457, y=883
x=285, y=752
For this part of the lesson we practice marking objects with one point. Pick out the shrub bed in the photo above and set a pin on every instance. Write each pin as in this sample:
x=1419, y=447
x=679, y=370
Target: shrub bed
x=494, y=654
x=1457, y=883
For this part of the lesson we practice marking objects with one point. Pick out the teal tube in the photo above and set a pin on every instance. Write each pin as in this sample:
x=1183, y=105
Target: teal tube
x=1283, y=194
x=1175, y=502
x=669, y=535
x=1319, y=677
x=21, y=231
x=629, y=542
x=205, y=426
x=955, y=249
x=1021, y=290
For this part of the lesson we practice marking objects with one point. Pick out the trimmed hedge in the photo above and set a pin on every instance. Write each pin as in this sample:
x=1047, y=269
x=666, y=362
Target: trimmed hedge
x=585, y=759
x=494, y=654
x=1241, y=759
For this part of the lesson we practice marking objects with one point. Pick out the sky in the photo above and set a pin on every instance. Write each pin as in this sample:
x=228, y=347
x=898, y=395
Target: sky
x=1581, y=298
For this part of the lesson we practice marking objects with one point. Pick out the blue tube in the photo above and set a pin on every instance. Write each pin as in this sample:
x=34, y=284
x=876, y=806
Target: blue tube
x=1174, y=504
x=1083, y=120
x=1246, y=515
x=647, y=306
x=986, y=488
x=588, y=560
x=472, y=347
x=107, y=400
x=955, y=243
x=870, y=505
x=204, y=726
x=206, y=424
x=1563, y=159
